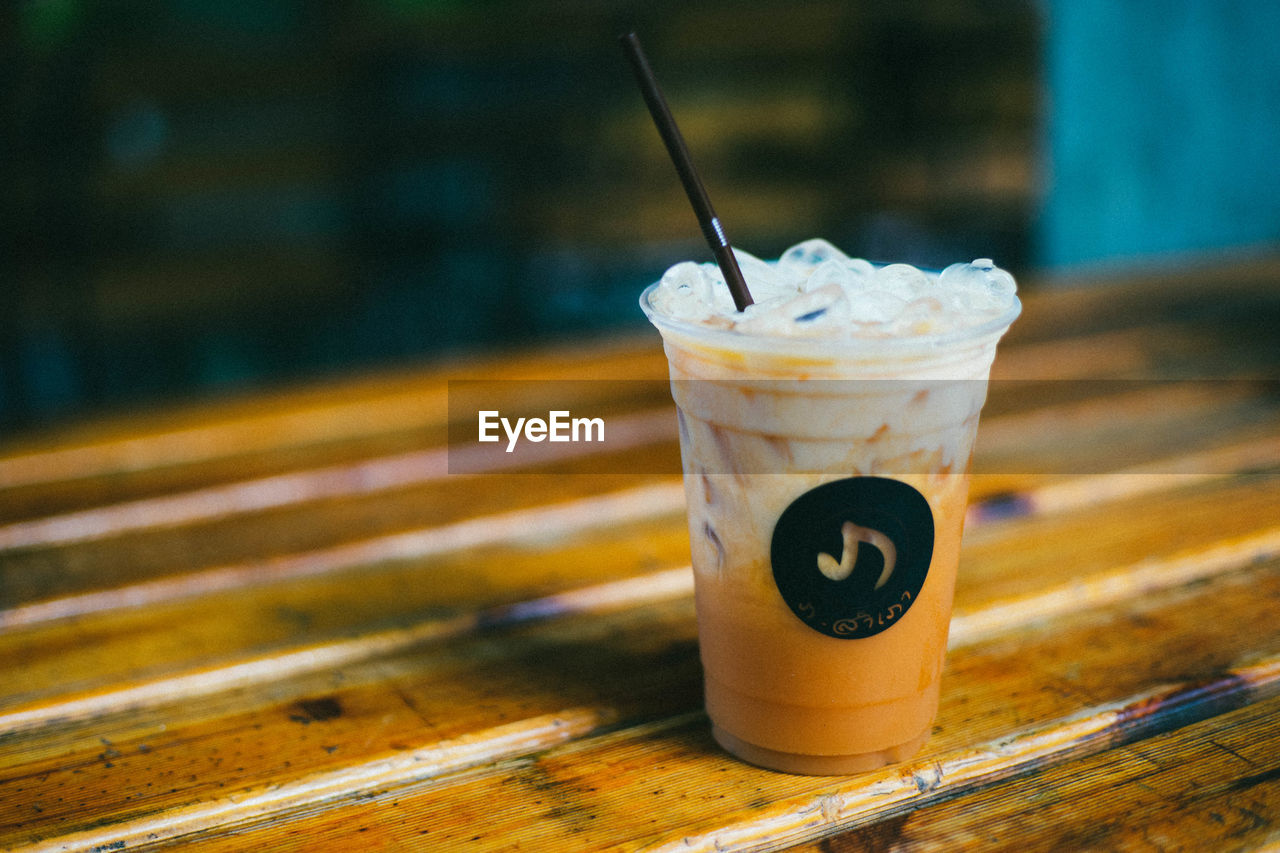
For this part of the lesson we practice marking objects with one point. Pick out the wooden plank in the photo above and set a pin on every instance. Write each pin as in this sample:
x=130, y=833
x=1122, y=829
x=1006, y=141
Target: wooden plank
x=423, y=702
x=1003, y=496
x=228, y=440
x=407, y=587
x=1208, y=429
x=1080, y=303
x=642, y=770
x=330, y=422
x=310, y=538
x=79, y=722
x=217, y=626
x=1159, y=350
x=1213, y=785
x=440, y=468
x=231, y=613
x=1122, y=425
x=1028, y=437
x=1006, y=560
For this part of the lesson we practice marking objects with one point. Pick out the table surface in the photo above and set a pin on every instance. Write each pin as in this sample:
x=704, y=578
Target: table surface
x=280, y=622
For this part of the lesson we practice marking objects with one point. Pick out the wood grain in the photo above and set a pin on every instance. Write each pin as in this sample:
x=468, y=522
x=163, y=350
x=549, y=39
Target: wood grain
x=245, y=621
x=1210, y=433
x=1010, y=642
x=1136, y=797
x=661, y=782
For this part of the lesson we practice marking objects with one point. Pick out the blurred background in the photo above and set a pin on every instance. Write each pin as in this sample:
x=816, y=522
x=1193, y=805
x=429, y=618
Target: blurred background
x=202, y=197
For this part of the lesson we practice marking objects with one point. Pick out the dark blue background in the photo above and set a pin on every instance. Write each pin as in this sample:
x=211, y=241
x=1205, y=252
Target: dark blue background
x=202, y=197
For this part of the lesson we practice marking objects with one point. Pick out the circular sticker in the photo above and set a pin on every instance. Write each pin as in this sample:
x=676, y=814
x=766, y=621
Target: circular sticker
x=850, y=557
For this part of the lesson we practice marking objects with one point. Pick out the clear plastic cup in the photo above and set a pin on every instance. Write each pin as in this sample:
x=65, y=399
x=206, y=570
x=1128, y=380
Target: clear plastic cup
x=806, y=458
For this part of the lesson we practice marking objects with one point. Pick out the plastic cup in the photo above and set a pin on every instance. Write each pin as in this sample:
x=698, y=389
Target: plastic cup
x=806, y=458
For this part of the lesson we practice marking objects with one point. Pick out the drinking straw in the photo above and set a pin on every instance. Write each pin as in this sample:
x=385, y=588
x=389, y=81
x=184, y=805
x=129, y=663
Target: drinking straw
x=712, y=229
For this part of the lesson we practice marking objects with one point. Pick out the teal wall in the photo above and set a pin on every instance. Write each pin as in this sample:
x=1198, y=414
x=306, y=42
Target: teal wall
x=1162, y=128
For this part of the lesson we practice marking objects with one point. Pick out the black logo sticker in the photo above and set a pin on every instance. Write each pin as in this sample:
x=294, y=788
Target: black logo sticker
x=850, y=557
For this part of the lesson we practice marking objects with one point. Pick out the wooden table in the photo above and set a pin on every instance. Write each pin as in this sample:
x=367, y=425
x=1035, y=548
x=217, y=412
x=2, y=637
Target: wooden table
x=279, y=622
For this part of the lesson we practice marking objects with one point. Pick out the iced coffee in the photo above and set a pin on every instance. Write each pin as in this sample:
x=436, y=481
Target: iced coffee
x=826, y=433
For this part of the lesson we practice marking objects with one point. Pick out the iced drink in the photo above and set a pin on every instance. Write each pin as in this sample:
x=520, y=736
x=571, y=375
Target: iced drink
x=826, y=434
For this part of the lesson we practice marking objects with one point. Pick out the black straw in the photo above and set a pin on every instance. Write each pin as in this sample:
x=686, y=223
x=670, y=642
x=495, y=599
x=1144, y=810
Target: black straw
x=707, y=219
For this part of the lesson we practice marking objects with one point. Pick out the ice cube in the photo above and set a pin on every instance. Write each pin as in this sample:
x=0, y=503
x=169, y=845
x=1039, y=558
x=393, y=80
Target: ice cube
x=825, y=273
x=902, y=280
x=685, y=277
x=713, y=291
x=803, y=257
x=860, y=268
x=817, y=290
x=853, y=274
x=763, y=279
x=688, y=293
x=980, y=283
x=826, y=305
x=999, y=282
x=825, y=311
